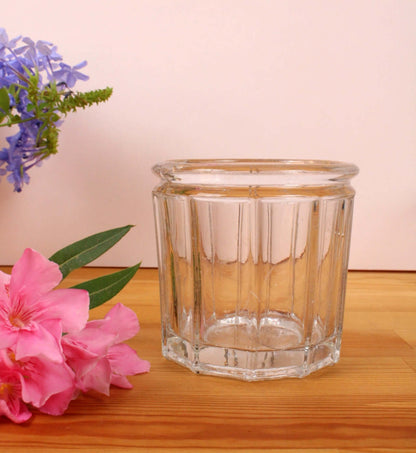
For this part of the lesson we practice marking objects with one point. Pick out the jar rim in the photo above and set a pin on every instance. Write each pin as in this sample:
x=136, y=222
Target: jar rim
x=331, y=169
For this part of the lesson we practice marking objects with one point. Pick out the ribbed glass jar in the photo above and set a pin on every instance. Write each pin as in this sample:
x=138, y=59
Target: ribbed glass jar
x=253, y=258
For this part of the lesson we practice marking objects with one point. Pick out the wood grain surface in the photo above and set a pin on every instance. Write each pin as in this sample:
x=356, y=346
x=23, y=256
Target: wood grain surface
x=366, y=403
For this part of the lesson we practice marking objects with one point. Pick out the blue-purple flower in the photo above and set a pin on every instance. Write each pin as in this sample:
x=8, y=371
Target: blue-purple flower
x=5, y=43
x=69, y=75
x=35, y=93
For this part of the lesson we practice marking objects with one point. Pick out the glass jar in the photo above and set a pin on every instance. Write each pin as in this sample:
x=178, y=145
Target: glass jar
x=253, y=258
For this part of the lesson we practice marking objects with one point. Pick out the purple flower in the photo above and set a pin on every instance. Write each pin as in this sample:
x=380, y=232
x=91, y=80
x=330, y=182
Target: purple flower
x=69, y=75
x=48, y=50
x=35, y=94
x=21, y=155
x=4, y=41
x=41, y=55
x=27, y=147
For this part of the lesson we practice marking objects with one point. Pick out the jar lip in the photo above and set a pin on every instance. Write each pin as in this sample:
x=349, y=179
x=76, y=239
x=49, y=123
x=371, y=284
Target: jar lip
x=172, y=169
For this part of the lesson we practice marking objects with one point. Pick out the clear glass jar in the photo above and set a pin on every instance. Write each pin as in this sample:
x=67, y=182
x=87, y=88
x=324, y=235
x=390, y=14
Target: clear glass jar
x=253, y=258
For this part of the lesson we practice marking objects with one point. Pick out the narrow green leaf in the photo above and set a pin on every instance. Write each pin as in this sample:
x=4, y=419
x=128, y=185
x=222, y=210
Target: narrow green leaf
x=86, y=250
x=103, y=288
x=4, y=101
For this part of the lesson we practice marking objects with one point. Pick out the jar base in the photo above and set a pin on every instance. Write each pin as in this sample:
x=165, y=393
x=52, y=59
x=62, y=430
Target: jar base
x=249, y=365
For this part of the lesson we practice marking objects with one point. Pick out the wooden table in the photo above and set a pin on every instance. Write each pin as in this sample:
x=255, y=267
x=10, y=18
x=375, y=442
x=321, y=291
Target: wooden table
x=366, y=403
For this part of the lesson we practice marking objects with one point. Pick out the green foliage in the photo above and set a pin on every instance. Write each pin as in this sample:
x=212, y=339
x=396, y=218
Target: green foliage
x=81, y=100
x=103, y=288
x=4, y=103
x=47, y=104
x=88, y=249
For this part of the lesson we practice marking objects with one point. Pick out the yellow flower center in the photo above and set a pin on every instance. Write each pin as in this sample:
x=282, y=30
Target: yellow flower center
x=5, y=390
x=16, y=321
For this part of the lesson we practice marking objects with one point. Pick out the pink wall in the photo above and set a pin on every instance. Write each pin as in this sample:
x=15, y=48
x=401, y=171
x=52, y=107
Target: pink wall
x=223, y=78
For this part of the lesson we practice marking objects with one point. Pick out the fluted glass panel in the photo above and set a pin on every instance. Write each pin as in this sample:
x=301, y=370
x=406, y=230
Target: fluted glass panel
x=253, y=271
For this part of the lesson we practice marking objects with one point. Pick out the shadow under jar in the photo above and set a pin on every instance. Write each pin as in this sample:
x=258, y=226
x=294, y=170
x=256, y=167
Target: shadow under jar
x=253, y=258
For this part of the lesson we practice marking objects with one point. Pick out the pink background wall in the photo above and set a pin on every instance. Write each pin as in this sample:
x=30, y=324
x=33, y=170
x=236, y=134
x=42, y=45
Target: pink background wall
x=223, y=78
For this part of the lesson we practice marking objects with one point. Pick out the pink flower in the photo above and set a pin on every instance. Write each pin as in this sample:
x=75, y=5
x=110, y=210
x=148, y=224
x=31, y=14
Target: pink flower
x=32, y=315
x=42, y=367
x=97, y=355
x=11, y=404
x=57, y=404
x=44, y=384
x=43, y=380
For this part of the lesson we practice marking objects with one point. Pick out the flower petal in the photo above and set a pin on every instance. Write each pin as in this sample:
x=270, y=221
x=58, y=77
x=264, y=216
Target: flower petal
x=11, y=404
x=4, y=285
x=15, y=410
x=57, y=404
x=97, y=378
x=122, y=322
x=71, y=306
x=8, y=337
x=121, y=381
x=92, y=338
x=124, y=361
x=76, y=351
x=41, y=379
x=39, y=342
x=33, y=275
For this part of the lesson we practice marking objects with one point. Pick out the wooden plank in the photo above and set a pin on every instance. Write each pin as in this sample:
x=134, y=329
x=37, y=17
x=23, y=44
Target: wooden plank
x=366, y=403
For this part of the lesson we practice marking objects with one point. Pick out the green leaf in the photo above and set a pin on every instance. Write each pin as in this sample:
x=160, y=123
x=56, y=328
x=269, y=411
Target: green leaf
x=103, y=288
x=4, y=101
x=86, y=250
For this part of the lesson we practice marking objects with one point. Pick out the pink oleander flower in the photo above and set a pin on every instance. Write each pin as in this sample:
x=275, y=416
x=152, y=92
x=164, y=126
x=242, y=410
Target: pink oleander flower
x=11, y=403
x=49, y=353
x=33, y=316
x=97, y=354
x=46, y=385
